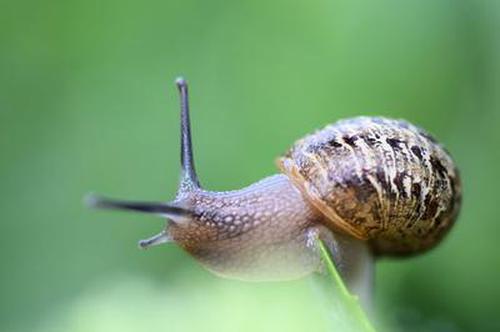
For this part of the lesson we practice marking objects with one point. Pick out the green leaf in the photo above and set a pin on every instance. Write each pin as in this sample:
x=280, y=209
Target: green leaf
x=347, y=313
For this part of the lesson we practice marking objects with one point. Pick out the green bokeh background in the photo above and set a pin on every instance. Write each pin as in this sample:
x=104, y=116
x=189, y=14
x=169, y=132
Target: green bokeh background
x=87, y=102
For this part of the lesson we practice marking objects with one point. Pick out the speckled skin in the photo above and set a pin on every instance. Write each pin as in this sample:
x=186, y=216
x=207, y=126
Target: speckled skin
x=260, y=232
x=378, y=179
x=266, y=231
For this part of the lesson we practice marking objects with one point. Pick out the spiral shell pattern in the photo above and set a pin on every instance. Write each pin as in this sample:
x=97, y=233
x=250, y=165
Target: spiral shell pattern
x=381, y=180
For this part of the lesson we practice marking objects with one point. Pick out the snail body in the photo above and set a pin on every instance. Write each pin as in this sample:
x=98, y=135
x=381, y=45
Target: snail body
x=364, y=186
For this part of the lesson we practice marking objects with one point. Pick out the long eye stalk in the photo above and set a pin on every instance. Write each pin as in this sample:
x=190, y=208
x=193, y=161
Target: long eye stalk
x=189, y=179
x=160, y=209
x=188, y=183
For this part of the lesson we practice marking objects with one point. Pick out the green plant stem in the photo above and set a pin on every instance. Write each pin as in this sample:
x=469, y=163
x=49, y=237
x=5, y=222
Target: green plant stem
x=352, y=309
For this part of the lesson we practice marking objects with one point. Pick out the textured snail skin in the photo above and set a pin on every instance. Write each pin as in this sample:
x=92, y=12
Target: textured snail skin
x=267, y=231
x=378, y=179
x=260, y=232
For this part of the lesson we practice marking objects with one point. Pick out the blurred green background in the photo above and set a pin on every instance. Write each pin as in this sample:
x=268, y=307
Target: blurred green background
x=87, y=103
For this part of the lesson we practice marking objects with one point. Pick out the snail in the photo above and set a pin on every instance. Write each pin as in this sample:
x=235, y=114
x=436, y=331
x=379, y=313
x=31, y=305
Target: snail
x=366, y=186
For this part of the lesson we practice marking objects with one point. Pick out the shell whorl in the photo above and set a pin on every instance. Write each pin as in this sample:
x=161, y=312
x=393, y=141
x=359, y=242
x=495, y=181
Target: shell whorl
x=382, y=180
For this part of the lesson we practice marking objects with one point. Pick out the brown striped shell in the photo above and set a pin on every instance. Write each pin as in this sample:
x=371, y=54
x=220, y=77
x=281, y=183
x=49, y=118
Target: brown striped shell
x=382, y=180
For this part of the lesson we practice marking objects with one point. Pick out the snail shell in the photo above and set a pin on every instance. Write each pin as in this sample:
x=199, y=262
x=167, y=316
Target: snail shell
x=381, y=180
